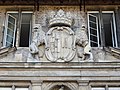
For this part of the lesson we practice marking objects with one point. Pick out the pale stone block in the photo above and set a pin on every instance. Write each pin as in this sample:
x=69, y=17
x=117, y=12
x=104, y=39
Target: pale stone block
x=83, y=85
x=36, y=85
x=18, y=57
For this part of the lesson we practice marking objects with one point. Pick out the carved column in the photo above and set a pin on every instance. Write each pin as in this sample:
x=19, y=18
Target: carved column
x=83, y=85
x=36, y=85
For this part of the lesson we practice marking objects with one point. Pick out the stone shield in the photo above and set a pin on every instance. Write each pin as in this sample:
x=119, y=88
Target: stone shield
x=60, y=44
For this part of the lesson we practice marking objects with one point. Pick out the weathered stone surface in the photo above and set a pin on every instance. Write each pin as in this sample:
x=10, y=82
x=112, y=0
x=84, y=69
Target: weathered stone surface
x=17, y=68
x=61, y=41
x=2, y=26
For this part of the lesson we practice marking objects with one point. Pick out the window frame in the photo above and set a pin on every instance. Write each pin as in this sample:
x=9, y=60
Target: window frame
x=115, y=43
x=30, y=33
x=115, y=29
x=88, y=13
x=16, y=38
x=6, y=27
x=103, y=84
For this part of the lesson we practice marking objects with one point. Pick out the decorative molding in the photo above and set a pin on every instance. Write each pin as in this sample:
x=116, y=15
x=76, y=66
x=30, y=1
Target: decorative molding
x=50, y=85
x=37, y=82
x=83, y=83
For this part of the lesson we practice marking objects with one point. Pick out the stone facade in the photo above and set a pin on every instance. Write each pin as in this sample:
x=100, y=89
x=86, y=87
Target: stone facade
x=31, y=68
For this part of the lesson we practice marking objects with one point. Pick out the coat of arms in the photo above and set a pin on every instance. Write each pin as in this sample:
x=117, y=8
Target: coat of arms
x=60, y=40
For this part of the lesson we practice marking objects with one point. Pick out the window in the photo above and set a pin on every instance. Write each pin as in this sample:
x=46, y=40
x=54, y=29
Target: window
x=26, y=22
x=105, y=23
x=10, y=30
x=98, y=88
x=93, y=29
x=114, y=88
x=21, y=21
x=105, y=88
x=10, y=88
x=21, y=88
x=5, y=88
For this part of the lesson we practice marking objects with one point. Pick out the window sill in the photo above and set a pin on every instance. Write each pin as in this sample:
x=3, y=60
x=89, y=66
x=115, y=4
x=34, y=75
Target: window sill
x=114, y=51
x=4, y=50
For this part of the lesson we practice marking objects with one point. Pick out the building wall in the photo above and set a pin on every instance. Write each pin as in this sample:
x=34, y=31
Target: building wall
x=2, y=19
x=17, y=72
x=41, y=16
x=46, y=76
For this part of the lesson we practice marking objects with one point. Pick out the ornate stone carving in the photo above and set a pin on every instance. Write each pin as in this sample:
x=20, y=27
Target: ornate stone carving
x=82, y=40
x=61, y=88
x=62, y=85
x=61, y=42
x=60, y=18
x=38, y=39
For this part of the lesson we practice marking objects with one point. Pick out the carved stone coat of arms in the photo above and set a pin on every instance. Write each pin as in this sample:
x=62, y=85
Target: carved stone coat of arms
x=60, y=44
x=60, y=40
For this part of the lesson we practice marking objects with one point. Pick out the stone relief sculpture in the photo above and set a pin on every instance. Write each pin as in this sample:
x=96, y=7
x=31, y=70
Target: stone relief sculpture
x=83, y=48
x=38, y=39
x=62, y=44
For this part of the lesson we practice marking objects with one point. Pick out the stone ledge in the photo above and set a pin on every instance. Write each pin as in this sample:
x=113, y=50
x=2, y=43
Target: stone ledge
x=5, y=51
x=71, y=65
x=113, y=51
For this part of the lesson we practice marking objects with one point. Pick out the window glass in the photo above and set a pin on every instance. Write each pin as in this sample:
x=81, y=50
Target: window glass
x=21, y=88
x=99, y=24
x=114, y=88
x=93, y=25
x=11, y=20
x=109, y=29
x=23, y=22
x=92, y=19
x=5, y=88
x=25, y=29
x=98, y=88
x=10, y=30
x=93, y=29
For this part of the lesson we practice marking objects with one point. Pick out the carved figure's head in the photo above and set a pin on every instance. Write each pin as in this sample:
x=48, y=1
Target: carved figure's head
x=60, y=18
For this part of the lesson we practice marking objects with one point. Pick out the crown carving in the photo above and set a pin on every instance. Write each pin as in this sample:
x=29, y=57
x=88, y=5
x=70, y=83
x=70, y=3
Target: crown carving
x=60, y=18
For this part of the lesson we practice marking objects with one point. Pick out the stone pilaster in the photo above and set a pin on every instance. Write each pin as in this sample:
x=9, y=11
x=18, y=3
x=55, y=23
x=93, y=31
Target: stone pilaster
x=36, y=85
x=83, y=85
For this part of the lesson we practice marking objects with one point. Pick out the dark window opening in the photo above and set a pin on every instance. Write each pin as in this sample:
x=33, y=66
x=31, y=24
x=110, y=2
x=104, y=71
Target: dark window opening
x=108, y=29
x=23, y=22
x=25, y=29
x=95, y=29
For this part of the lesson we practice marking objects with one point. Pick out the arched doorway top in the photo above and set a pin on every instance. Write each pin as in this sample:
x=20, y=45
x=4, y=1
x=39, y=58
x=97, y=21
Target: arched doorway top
x=60, y=86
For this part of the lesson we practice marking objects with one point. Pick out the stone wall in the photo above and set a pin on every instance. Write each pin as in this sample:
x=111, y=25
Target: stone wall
x=23, y=55
x=46, y=76
x=42, y=15
x=17, y=71
x=2, y=24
